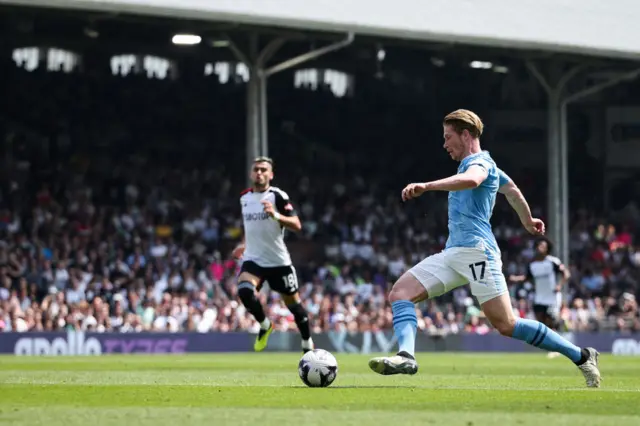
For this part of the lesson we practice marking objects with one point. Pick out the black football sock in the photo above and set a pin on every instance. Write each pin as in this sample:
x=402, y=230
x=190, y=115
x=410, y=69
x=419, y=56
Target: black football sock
x=246, y=292
x=302, y=320
x=584, y=356
x=406, y=355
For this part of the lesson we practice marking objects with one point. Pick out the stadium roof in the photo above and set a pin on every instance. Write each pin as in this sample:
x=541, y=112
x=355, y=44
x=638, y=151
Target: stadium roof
x=71, y=29
x=591, y=27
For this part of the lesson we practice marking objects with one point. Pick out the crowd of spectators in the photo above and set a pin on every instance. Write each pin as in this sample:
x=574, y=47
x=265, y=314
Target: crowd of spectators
x=119, y=207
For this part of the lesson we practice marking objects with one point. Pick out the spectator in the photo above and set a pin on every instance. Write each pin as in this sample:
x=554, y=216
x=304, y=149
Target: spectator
x=126, y=226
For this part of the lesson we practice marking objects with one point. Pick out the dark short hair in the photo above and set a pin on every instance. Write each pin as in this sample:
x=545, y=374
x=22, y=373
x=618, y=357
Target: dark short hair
x=546, y=240
x=263, y=159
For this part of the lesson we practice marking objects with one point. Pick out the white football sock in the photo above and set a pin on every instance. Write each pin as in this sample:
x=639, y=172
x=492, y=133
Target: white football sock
x=307, y=344
x=265, y=324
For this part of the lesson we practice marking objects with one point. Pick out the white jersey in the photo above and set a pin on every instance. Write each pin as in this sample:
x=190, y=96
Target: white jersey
x=544, y=276
x=264, y=236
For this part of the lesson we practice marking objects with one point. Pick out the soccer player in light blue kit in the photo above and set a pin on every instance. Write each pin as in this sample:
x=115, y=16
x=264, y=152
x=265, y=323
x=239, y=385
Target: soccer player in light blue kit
x=471, y=255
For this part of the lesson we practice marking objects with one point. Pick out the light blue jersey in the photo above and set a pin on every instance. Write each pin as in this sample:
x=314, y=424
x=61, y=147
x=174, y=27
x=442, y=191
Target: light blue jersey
x=472, y=257
x=470, y=210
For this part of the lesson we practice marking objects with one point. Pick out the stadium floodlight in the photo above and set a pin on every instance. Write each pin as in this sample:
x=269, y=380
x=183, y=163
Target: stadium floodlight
x=481, y=65
x=91, y=32
x=220, y=43
x=438, y=62
x=186, y=39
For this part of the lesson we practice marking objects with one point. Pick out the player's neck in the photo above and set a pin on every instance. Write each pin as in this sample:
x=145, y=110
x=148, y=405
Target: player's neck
x=261, y=189
x=473, y=148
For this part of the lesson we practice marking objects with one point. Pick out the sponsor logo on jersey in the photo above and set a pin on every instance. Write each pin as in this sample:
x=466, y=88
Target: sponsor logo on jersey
x=256, y=216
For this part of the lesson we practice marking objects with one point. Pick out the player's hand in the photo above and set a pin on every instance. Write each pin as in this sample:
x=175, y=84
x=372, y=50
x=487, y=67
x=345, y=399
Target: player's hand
x=535, y=227
x=413, y=190
x=268, y=208
x=238, y=251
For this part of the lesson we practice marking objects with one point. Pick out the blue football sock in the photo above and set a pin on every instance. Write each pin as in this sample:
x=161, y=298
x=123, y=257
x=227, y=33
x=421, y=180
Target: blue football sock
x=405, y=324
x=539, y=335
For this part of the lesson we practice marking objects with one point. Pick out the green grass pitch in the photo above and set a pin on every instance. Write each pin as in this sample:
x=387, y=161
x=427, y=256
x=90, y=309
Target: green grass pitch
x=264, y=389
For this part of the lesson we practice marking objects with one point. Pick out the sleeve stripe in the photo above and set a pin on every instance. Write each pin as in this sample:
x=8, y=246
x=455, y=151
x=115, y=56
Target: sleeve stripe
x=280, y=192
x=484, y=165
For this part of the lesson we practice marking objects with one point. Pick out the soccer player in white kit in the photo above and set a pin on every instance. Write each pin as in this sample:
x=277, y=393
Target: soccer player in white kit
x=471, y=255
x=543, y=272
x=266, y=212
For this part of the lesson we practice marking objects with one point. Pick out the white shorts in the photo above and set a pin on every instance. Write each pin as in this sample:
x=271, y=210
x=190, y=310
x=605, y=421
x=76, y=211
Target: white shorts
x=457, y=266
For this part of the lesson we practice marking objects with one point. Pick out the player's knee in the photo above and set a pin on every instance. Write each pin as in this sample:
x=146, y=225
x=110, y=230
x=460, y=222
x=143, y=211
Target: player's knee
x=399, y=292
x=505, y=326
x=246, y=276
x=407, y=288
x=291, y=299
x=298, y=311
x=246, y=292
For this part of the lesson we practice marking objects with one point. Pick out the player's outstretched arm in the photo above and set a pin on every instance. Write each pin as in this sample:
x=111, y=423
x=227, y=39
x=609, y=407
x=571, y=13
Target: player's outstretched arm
x=519, y=203
x=564, y=271
x=471, y=178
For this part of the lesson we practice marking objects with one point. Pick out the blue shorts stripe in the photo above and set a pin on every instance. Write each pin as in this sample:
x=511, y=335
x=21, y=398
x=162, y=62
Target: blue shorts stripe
x=492, y=265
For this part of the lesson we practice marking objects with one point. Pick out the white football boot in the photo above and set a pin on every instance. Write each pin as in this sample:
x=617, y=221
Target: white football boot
x=401, y=363
x=590, y=369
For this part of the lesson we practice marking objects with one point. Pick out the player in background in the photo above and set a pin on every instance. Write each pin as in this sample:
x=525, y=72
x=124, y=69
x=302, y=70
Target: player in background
x=266, y=212
x=543, y=272
x=471, y=255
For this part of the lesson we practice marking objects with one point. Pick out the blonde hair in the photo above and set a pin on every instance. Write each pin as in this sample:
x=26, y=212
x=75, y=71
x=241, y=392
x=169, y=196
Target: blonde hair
x=463, y=119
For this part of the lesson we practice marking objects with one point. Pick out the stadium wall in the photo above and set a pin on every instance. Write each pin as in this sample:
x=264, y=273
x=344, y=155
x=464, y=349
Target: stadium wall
x=81, y=343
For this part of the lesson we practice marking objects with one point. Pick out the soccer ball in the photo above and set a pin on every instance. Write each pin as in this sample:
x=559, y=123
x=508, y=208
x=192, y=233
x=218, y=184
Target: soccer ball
x=318, y=368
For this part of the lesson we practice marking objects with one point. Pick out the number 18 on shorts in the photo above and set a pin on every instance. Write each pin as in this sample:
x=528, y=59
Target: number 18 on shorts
x=281, y=279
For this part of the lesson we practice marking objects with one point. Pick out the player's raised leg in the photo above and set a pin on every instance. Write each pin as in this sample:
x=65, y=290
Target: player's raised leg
x=543, y=314
x=247, y=284
x=499, y=312
x=302, y=320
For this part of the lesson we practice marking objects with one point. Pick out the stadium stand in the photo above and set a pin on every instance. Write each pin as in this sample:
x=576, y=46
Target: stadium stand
x=119, y=205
